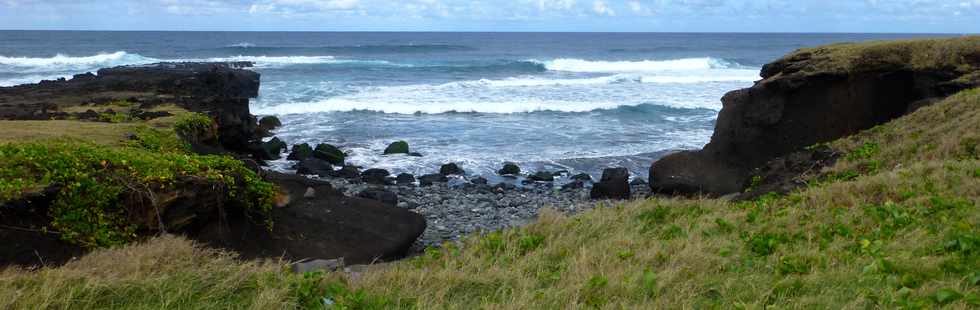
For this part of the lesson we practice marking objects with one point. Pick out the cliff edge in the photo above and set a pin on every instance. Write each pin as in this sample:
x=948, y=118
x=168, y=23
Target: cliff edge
x=817, y=95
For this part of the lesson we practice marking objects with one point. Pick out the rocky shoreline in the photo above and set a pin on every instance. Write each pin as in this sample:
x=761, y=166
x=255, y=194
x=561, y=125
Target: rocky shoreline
x=453, y=203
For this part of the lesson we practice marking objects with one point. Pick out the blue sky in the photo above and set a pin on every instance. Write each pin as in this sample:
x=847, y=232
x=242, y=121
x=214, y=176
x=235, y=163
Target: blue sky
x=954, y=16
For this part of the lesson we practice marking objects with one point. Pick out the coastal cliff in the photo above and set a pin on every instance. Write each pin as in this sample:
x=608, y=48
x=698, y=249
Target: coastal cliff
x=111, y=158
x=816, y=95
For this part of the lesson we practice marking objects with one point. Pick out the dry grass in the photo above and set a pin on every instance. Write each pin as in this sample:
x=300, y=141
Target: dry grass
x=100, y=133
x=165, y=273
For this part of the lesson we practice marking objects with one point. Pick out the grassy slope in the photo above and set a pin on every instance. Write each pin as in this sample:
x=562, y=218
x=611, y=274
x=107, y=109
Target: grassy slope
x=904, y=234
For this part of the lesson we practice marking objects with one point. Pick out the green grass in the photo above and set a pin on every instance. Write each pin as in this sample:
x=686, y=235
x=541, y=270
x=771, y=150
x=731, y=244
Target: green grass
x=932, y=54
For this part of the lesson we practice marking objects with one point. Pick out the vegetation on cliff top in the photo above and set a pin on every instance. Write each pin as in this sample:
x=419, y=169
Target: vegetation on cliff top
x=960, y=55
x=901, y=231
x=104, y=185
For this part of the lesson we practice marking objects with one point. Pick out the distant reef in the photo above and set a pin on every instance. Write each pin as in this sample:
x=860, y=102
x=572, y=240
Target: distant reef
x=816, y=95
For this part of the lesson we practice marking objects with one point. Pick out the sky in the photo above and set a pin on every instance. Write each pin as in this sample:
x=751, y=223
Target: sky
x=901, y=16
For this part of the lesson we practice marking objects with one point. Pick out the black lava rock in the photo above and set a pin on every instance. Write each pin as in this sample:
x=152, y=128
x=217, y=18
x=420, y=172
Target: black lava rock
x=451, y=169
x=399, y=147
x=614, y=184
x=479, y=181
x=385, y=197
x=314, y=166
x=509, y=169
x=542, y=176
x=429, y=179
x=329, y=153
x=272, y=149
x=405, y=179
x=374, y=176
x=584, y=177
x=300, y=152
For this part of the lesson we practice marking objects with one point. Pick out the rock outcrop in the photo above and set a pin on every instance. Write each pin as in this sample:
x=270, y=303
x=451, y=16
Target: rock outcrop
x=310, y=218
x=221, y=90
x=818, y=95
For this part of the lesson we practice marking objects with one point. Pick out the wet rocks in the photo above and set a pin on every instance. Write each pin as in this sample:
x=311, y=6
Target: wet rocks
x=314, y=166
x=584, y=177
x=329, y=153
x=300, y=152
x=542, y=176
x=613, y=185
x=381, y=195
x=430, y=179
x=451, y=169
x=399, y=147
x=479, y=181
x=271, y=149
x=267, y=124
x=509, y=169
x=375, y=176
x=405, y=179
x=347, y=172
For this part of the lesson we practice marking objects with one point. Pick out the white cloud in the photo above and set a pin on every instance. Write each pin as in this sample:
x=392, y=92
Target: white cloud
x=561, y=5
x=600, y=7
x=302, y=6
x=639, y=9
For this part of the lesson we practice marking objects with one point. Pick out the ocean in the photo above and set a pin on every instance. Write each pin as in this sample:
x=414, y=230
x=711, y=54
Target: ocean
x=554, y=101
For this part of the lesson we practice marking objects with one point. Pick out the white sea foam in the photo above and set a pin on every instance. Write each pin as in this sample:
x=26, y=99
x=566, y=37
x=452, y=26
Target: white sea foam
x=61, y=63
x=516, y=95
x=686, y=64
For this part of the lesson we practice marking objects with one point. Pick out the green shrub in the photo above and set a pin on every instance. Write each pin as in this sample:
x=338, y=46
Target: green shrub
x=190, y=125
x=92, y=179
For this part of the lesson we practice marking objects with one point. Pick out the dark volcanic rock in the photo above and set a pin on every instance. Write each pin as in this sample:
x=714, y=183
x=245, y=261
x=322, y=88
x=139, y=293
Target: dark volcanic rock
x=329, y=153
x=479, y=181
x=415, y=154
x=429, y=179
x=509, y=169
x=542, y=176
x=375, y=176
x=314, y=166
x=221, y=90
x=300, y=152
x=267, y=124
x=272, y=149
x=386, y=197
x=325, y=225
x=614, y=184
x=399, y=147
x=451, y=169
x=584, y=177
x=347, y=172
x=802, y=100
x=405, y=179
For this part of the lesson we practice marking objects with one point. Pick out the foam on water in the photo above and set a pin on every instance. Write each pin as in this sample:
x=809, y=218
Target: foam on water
x=685, y=64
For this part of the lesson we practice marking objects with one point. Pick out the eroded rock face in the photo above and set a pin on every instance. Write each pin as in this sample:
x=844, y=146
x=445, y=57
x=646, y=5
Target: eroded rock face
x=221, y=90
x=324, y=225
x=796, y=105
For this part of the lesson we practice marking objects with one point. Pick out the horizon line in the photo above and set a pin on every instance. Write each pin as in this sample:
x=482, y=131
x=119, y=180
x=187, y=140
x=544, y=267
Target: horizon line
x=499, y=31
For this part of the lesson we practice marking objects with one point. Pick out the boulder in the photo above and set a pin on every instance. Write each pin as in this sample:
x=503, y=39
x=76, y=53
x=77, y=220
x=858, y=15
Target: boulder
x=398, y=147
x=375, y=176
x=314, y=166
x=267, y=124
x=386, y=197
x=405, y=179
x=613, y=185
x=542, y=176
x=272, y=149
x=300, y=152
x=347, y=172
x=584, y=177
x=415, y=154
x=430, y=179
x=509, y=169
x=329, y=153
x=325, y=226
x=451, y=169
x=573, y=185
x=479, y=181
x=812, y=96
